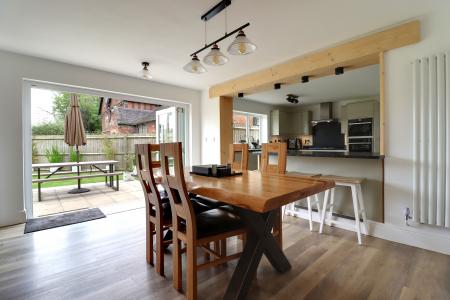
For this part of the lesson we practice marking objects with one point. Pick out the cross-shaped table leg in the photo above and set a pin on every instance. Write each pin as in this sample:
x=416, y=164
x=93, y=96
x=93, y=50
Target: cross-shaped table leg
x=259, y=241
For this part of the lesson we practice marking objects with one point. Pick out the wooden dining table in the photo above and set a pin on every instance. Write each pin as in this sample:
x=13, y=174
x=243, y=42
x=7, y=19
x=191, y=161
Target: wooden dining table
x=256, y=197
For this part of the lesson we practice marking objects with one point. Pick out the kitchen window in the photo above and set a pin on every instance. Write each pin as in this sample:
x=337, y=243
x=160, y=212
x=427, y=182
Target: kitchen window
x=249, y=128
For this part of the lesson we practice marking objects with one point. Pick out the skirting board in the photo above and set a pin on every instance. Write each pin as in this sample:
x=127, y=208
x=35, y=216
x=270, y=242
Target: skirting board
x=13, y=219
x=404, y=235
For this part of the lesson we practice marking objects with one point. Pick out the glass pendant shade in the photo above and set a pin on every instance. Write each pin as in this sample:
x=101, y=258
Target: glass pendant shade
x=194, y=66
x=215, y=57
x=145, y=71
x=146, y=74
x=241, y=45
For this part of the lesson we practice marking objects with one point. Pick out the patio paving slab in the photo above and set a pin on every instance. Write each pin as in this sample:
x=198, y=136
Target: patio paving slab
x=57, y=199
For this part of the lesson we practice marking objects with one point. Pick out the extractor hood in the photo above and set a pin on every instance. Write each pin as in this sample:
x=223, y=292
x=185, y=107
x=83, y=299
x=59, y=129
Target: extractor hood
x=326, y=113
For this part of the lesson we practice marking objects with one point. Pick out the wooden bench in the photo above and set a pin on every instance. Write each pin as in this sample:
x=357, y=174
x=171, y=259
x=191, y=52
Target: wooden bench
x=100, y=174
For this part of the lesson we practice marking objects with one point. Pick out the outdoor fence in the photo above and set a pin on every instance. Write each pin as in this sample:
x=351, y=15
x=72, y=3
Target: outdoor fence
x=98, y=147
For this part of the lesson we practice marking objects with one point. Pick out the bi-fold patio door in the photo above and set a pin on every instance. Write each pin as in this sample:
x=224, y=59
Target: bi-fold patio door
x=170, y=126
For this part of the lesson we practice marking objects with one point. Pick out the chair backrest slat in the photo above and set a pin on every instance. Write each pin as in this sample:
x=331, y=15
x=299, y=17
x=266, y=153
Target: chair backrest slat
x=278, y=149
x=241, y=164
x=144, y=166
x=175, y=185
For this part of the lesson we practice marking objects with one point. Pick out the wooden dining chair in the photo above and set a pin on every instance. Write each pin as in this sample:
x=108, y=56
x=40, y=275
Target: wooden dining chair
x=194, y=230
x=158, y=211
x=157, y=206
x=238, y=151
x=275, y=165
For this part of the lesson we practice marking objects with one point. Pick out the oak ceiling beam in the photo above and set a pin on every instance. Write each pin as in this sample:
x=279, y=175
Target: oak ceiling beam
x=357, y=53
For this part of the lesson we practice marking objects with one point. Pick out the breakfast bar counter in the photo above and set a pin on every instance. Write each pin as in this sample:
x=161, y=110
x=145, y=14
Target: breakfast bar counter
x=336, y=154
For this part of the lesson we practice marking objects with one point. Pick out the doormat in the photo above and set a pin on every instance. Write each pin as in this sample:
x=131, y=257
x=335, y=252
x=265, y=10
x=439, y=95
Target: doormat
x=48, y=222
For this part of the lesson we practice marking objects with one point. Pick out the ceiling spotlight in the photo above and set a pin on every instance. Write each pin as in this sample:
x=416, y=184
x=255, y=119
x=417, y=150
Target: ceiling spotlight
x=240, y=95
x=292, y=98
x=339, y=71
x=215, y=57
x=145, y=71
x=194, y=66
x=277, y=86
x=241, y=45
x=305, y=79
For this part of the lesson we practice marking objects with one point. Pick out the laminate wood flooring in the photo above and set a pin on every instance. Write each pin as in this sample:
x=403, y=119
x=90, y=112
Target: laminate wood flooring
x=105, y=259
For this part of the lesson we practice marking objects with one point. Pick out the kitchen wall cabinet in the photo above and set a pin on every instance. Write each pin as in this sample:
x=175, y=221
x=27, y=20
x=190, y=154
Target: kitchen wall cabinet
x=358, y=110
x=290, y=123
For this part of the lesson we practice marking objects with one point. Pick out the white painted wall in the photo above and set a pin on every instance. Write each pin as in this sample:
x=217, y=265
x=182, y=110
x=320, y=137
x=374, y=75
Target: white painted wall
x=210, y=115
x=398, y=163
x=15, y=67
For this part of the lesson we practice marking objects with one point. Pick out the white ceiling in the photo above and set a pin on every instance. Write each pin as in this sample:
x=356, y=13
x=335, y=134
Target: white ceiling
x=355, y=84
x=116, y=35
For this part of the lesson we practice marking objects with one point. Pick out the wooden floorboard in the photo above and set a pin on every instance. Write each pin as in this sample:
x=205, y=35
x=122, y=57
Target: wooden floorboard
x=105, y=259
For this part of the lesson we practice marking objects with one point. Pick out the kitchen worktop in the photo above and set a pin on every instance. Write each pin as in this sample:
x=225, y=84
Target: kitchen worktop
x=328, y=153
x=337, y=154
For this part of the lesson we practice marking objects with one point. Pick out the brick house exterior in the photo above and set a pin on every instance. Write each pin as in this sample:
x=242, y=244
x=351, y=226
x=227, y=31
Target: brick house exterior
x=127, y=117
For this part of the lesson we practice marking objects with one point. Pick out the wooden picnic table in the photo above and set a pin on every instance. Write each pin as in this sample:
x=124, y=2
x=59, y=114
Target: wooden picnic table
x=108, y=173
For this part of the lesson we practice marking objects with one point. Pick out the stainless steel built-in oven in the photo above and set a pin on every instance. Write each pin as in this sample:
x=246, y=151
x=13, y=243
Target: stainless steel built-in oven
x=360, y=144
x=360, y=135
x=360, y=127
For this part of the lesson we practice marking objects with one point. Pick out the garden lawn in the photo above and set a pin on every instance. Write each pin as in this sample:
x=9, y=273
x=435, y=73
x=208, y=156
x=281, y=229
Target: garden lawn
x=69, y=181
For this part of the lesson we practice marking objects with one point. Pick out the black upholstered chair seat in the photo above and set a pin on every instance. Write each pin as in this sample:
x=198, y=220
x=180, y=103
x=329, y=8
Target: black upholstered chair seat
x=209, y=202
x=216, y=221
x=167, y=212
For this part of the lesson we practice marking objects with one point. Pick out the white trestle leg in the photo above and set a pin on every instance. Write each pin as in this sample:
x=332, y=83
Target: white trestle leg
x=358, y=204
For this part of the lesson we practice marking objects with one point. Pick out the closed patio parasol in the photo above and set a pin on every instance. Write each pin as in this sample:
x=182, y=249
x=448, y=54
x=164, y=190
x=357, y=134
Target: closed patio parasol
x=74, y=135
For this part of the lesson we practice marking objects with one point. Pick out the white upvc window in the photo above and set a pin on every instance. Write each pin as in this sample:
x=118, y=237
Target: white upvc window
x=249, y=127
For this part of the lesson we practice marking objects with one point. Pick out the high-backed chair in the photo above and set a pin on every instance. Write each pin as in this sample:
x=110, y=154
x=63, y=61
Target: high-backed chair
x=157, y=207
x=278, y=149
x=267, y=166
x=193, y=230
x=240, y=150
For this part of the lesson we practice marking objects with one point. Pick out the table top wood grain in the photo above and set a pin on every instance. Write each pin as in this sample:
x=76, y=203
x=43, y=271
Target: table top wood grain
x=257, y=191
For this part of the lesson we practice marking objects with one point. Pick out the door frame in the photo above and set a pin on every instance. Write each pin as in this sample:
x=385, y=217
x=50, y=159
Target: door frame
x=28, y=84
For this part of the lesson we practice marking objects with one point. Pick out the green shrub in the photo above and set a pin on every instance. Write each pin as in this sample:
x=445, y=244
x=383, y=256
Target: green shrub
x=54, y=155
x=50, y=128
x=108, y=149
x=34, y=154
x=73, y=155
x=130, y=161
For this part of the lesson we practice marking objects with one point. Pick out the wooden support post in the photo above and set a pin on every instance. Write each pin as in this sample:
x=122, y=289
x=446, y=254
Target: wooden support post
x=226, y=127
x=382, y=101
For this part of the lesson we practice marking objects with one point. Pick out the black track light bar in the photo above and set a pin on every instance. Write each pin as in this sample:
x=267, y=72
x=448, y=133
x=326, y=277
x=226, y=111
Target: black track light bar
x=220, y=39
x=216, y=9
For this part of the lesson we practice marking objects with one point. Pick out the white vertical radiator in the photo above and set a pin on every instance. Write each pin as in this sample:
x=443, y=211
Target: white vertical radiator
x=431, y=143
